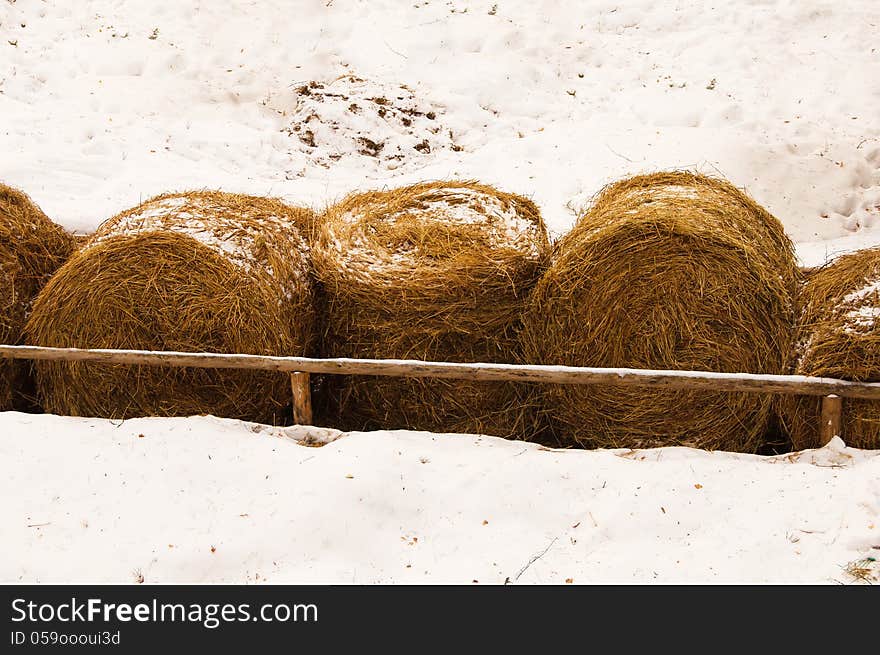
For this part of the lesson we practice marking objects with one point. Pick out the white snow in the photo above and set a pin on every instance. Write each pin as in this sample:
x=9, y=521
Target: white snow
x=210, y=500
x=104, y=104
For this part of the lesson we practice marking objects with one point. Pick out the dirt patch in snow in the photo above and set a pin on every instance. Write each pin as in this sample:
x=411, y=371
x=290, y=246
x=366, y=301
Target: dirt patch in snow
x=383, y=123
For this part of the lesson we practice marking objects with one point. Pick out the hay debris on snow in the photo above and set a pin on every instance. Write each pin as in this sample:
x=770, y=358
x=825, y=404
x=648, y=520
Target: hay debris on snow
x=433, y=271
x=32, y=247
x=839, y=337
x=665, y=271
x=384, y=126
x=200, y=271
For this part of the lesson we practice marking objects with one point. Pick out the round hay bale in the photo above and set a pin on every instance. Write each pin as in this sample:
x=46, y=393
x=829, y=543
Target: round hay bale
x=838, y=337
x=32, y=247
x=12, y=311
x=200, y=271
x=433, y=271
x=665, y=271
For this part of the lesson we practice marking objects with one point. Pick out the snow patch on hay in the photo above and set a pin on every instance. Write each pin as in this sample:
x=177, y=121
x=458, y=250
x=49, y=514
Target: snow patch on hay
x=501, y=224
x=199, y=218
x=864, y=292
x=860, y=309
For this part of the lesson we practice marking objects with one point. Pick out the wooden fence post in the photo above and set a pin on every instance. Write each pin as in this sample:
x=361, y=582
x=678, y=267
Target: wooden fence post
x=831, y=418
x=302, y=398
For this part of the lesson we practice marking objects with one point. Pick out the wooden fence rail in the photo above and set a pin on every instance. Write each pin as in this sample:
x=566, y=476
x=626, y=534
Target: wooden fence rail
x=299, y=367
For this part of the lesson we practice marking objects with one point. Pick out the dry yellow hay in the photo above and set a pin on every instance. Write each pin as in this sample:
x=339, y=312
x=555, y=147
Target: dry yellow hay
x=433, y=271
x=839, y=337
x=200, y=271
x=665, y=271
x=32, y=247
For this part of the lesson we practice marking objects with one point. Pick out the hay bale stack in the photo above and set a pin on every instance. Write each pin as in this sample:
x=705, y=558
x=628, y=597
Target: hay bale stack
x=838, y=337
x=32, y=247
x=201, y=271
x=665, y=271
x=433, y=271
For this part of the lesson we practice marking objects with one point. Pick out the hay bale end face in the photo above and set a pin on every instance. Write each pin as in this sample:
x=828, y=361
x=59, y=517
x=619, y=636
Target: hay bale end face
x=200, y=271
x=838, y=337
x=433, y=271
x=665, y=271
x=32, y=247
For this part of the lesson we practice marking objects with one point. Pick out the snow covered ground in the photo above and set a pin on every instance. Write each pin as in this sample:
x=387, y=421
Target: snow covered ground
x=213, y=500
x=104, y=103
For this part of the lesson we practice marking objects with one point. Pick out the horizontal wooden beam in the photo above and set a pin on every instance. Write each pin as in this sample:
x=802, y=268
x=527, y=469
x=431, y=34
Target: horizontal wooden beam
x=657, y=379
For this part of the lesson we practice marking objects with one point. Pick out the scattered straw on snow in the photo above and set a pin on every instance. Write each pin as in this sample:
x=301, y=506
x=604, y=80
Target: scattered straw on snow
x=386, y=124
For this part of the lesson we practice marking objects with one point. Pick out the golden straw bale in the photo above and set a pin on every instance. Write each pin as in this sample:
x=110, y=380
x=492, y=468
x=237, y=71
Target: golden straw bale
x=433, y=271
x=200, y=271
x=665, y=271
x=838, y=337
x=32, y=247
